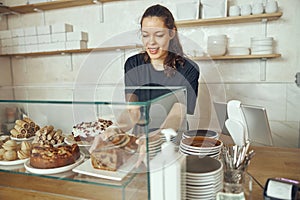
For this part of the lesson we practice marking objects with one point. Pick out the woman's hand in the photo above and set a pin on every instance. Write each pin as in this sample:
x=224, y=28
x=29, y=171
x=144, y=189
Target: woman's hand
x=141, y=141
x=110, y=131
x=129, y=118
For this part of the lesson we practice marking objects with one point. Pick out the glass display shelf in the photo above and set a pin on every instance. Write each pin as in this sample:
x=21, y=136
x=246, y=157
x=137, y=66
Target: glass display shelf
x=63, y=107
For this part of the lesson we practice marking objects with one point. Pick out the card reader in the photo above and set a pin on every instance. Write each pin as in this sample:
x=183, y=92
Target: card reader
x=281, y=189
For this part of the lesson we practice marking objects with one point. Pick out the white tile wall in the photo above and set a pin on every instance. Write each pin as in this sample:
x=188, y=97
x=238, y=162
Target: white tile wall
x=5, y=75
x=240, y=79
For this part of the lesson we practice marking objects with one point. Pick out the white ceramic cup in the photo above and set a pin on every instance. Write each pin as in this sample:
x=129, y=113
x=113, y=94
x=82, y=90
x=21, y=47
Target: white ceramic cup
x=271, y=7
x=245, y=9
x=257, y=8
x=234, y=11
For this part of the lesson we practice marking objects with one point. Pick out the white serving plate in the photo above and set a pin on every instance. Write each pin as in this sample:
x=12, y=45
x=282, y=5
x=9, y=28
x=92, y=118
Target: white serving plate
x=31, y=169
x=13, y=162
x=87, y=169
x=22, y=139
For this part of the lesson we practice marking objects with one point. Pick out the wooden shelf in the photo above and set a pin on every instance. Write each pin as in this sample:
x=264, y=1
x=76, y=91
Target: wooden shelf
x=4, y=9
x=31, y=8
x=229, y=20
x=62, y=52
x=228, y=57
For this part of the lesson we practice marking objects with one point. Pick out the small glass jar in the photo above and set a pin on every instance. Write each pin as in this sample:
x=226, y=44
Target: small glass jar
x=11, y=114
x=234, y=181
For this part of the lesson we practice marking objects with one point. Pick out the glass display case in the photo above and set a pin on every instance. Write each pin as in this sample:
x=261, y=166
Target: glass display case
x=67, y=109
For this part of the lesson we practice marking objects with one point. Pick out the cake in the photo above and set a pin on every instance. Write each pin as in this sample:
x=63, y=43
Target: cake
x=47, y=156
x=107, y=159
x=114, y=152
x=86, y=131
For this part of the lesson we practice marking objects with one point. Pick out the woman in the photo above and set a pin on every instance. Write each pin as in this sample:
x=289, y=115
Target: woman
x=163, y=62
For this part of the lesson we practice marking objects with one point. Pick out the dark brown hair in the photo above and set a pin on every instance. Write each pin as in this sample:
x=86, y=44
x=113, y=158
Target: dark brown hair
x=175, y=52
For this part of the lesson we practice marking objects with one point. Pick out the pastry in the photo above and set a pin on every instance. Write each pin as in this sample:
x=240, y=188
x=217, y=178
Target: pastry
x=10, y=145
x=13, y=151
x=48, y=135
x=29, y=121
x=3, y=139
x=24, y=128
x=86, y=131
x=22, y=124
x=47, y=156
x=26, y=146
x=108, y=159
x=10, y=155
x=112, y=153
x=2, y=151
x=22, y=154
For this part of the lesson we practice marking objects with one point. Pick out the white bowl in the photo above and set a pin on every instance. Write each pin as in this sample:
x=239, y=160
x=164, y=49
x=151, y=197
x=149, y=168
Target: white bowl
x=216, y=51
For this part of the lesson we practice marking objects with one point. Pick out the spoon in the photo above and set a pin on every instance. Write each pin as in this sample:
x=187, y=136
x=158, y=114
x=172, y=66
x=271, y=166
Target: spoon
x=236, y=130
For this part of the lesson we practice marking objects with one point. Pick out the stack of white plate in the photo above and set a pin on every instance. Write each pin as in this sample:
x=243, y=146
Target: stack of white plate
x=154, y=146
x=204, y=178
x=237, y=51
x=201, y=146
x=200, y=132
x=261, y=45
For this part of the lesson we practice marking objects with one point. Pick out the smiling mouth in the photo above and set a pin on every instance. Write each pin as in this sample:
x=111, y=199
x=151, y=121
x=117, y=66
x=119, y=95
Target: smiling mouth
x=153, y=50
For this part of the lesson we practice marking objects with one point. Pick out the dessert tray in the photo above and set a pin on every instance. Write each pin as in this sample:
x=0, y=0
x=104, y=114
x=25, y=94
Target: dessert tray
x=13, y=162
x=31, y=169
x=87, y=169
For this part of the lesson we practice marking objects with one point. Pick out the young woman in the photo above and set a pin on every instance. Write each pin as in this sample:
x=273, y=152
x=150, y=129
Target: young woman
x=163, y=62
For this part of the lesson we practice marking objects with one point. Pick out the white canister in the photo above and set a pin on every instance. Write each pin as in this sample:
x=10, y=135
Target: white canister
x=234, y=10
x=271, y=6
x=246, y=9
x=257, y=8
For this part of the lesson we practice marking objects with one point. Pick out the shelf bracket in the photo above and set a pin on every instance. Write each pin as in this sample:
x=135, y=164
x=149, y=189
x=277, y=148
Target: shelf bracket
x=43, y=13
x=24, y=62
x=262, y=69
x=101, y=12
x=71, y=62
x=265, y=27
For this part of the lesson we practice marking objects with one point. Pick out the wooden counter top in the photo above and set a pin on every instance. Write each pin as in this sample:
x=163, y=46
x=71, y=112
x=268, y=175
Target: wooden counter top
x=271, y=162
x=268, y=162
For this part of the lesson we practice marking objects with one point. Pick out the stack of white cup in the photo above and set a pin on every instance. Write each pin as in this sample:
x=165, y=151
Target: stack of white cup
x=271, y=6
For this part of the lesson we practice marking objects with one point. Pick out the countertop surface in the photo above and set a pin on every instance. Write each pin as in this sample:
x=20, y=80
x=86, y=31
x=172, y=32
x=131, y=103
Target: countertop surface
x=268, y=162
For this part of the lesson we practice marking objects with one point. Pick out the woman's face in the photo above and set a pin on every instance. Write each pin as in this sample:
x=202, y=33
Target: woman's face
x=156, y=38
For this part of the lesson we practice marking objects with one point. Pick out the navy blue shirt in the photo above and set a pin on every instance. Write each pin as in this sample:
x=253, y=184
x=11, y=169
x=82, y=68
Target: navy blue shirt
x=140, y=73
